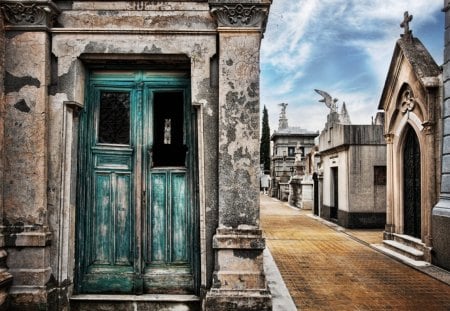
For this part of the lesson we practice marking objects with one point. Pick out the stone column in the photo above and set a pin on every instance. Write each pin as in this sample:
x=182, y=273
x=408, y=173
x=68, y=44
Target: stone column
x=238, y=280
x=5, y=276
x=27, y=75
x=440, y=218
x=390, y=225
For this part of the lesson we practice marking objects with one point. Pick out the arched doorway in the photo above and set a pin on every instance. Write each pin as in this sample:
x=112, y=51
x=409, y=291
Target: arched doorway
x=411, y=185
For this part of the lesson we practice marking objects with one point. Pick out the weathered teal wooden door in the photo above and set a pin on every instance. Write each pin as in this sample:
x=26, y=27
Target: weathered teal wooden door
x=136, y=230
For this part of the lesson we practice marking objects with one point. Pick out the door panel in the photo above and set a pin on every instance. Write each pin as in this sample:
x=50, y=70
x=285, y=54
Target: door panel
x=134, y=145
x=158, y=218
x=179, y=218
x=411, y=185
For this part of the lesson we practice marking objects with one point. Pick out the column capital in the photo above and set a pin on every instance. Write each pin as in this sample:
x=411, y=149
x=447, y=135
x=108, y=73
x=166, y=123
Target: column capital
x=389, y=137
x=29, y=15
x=242, y=14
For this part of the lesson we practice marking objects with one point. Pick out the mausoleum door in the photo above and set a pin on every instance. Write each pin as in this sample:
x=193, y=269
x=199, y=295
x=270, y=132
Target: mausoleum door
x=136, y=221
x=411, y=185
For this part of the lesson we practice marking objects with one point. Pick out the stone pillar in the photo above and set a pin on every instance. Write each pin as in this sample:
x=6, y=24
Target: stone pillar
x=238, y=280
x=390, y=226
x=5, y=276
x=440, y=218
x=27, y=75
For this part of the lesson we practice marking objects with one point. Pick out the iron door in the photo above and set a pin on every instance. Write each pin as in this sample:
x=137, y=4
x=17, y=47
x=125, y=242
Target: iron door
x=411, y=185
x=136, y=222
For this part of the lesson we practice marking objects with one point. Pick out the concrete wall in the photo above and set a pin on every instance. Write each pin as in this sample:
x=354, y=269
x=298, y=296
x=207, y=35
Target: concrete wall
x=354, y=150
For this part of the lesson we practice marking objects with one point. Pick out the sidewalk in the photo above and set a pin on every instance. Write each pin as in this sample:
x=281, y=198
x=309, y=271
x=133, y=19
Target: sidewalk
x=331, y=268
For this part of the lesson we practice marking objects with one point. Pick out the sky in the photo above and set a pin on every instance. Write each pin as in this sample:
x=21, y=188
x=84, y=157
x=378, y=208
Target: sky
x=343, y=47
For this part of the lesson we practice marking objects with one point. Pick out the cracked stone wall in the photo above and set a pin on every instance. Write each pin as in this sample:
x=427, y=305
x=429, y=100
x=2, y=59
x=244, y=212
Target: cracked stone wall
x=197, y=44
x=2, y=74
x=25, y=163
x=239, y=131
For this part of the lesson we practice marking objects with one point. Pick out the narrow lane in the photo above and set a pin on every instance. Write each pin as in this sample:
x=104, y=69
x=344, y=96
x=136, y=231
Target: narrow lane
x=327, y=270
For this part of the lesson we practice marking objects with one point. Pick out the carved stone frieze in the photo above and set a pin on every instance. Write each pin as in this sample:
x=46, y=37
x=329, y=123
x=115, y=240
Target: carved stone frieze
x=29, y=14
x=240, y=15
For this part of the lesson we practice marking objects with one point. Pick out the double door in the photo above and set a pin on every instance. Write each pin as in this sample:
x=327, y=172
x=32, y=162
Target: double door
x=136, y=224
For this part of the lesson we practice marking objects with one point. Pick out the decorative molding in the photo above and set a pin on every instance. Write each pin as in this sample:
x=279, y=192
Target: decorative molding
x=389, y=138
x=446, y=7
x=33, y=14
x=408, y=102
x=240, y=15
x=428, y=127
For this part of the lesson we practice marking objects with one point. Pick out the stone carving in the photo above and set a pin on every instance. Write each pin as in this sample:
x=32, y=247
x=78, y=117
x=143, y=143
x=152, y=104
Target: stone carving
x=405, y=24
x=408, y=101
x=240, y=15
x=328, y=100
x=283, y=121
x=19, y=14
x=389, y=138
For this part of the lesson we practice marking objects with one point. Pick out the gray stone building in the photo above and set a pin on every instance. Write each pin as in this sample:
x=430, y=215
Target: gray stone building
x=440, y=217
x=129, y=138
x=286, y=140
x=353, y=168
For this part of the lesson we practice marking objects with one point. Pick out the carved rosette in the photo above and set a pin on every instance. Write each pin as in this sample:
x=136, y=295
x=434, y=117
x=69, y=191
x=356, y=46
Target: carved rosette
x=30, y=14
x=240, y=15
x=408, y=102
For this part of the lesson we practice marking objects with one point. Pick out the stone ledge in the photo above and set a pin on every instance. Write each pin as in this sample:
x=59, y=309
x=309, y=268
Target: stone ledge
x=249, y=300
x=238, y=242
x=28, y=239
x=146, y=297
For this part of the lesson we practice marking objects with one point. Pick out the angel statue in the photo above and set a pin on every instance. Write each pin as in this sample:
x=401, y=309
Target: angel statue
x=328, y=100
x=283, y=108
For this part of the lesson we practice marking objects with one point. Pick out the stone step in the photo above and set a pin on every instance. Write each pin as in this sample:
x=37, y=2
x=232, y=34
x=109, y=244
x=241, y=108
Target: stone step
x=409, y=241
x=417, y=263
x=134, y=302
x=403, y=249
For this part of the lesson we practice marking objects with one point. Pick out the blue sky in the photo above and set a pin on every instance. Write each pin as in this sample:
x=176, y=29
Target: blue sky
x=343, y=47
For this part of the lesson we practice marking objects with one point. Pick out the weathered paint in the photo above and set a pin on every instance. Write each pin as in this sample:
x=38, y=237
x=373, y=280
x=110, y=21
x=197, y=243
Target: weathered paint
x=111, y=259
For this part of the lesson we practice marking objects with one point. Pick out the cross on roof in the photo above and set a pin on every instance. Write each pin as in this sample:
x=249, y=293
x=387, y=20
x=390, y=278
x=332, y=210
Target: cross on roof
x=405, y=24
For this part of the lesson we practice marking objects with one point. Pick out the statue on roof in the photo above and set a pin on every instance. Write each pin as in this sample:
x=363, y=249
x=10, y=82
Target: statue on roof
x=283, y=121
x=405, y=24
x=328, y=100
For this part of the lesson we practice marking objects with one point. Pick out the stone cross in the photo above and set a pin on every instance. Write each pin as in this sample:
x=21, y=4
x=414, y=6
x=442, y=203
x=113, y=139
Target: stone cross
x=405, y=24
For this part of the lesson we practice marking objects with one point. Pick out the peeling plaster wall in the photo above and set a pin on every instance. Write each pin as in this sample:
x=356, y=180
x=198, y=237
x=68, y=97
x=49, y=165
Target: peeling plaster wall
x=2, y=107
x=68, y=50
x=239, y=131
x=25, y=129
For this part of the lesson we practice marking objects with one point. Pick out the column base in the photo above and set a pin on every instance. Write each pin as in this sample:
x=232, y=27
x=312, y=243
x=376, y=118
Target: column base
x=242, y=300
x=440, y=224
x=238, y=282
x=388, y=232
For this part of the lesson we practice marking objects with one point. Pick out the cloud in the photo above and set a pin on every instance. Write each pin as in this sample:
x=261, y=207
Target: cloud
x=342, y=46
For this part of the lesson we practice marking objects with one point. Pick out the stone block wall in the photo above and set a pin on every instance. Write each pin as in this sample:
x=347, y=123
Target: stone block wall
x=440, y=220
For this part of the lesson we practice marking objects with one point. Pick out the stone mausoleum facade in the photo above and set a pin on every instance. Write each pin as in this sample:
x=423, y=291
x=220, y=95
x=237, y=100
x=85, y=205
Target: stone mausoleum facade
x=353, y=167
x=412, y=102
x=129, y=138
x=287, y=141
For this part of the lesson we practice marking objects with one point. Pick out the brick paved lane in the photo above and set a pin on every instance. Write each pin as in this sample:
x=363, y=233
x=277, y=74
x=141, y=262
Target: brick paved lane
x=327, y=270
